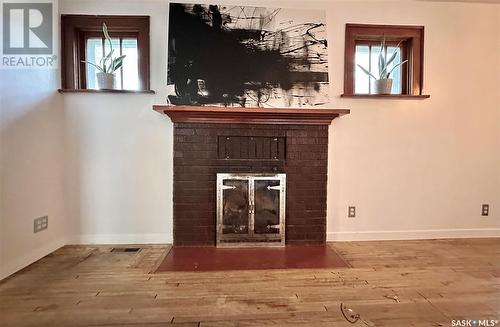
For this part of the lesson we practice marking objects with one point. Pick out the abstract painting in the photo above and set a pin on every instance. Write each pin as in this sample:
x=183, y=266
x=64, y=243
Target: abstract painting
x=243, y=56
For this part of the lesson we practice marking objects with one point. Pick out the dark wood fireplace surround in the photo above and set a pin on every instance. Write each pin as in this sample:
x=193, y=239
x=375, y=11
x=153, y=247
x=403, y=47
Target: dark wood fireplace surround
x=210, y=140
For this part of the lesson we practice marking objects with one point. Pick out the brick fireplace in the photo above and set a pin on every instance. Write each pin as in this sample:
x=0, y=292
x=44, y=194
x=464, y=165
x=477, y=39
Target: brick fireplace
x=210, y=141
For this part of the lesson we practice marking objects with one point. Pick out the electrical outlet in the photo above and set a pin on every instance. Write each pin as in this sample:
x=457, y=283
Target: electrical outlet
x=351, y=213
x=485, y=210
x=41, y=223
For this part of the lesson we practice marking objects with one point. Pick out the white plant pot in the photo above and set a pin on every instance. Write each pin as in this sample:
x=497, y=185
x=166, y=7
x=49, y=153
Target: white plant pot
x=105, y=81
x=382, y=86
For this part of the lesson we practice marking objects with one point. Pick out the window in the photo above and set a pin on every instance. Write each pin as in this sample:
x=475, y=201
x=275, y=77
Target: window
x=363, y=46
x=127, y=77
x=83, y=40
x=366, y=55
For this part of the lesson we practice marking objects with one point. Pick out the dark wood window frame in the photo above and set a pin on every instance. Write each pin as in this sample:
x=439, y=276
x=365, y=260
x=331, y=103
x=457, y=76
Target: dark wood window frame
x=76, y=28
x=412, y=48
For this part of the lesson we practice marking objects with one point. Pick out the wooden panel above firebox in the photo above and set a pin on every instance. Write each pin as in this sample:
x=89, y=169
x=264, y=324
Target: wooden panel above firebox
x=251, y=147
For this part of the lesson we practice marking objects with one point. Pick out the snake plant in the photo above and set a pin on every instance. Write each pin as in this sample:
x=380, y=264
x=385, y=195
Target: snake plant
x=108, y=64
x=383, y=63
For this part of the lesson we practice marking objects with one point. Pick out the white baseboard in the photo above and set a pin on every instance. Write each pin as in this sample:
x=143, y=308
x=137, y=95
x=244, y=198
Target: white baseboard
x=413, y=234
x=19, y=263
x=121, y=239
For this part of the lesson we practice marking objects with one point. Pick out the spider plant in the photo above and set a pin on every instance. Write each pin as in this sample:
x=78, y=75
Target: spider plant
x=383, y=63
x=108, y=64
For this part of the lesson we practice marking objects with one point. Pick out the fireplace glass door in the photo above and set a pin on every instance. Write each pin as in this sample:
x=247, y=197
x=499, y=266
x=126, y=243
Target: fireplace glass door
x=251, y=210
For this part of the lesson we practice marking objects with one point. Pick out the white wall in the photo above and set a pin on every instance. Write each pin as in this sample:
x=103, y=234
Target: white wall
x=119, y=158
x=413, y=168
x=119, y=167
x=421, y=168
x=31, y=166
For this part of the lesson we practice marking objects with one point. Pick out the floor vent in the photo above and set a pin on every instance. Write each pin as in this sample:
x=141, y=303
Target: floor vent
x=128, y=250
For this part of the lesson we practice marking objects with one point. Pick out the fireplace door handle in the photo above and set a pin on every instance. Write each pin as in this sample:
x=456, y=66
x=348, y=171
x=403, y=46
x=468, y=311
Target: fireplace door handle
x=277, y=188
x=227, y=187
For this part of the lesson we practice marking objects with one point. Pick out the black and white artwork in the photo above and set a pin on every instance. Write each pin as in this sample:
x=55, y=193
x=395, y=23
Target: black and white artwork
x=247, y=56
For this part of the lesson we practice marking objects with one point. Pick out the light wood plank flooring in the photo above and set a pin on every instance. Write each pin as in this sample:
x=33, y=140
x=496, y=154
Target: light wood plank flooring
x=393, y=283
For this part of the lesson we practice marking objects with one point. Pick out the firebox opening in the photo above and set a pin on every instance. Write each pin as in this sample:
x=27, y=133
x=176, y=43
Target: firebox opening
x=251, y=210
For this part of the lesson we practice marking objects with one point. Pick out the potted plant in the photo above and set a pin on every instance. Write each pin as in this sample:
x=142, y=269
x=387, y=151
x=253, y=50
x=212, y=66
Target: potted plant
x=108, y=65
x=383, y=83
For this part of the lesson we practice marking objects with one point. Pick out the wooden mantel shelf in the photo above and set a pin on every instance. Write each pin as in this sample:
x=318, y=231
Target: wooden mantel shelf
x=237, y=115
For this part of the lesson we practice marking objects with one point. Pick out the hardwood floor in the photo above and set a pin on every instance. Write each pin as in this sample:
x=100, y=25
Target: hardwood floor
x=394, y=283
